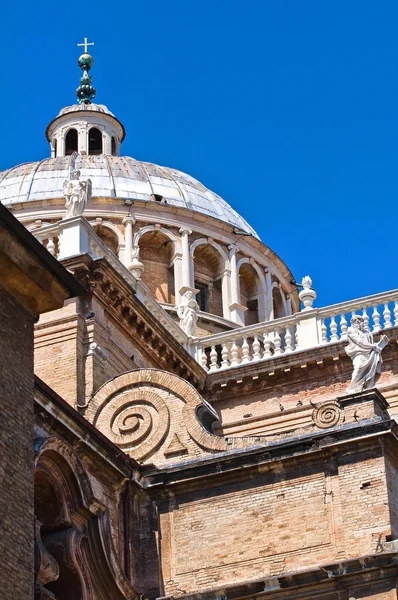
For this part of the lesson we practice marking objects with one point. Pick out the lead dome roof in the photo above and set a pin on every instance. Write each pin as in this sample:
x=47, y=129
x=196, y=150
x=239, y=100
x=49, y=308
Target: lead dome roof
x=116, y=177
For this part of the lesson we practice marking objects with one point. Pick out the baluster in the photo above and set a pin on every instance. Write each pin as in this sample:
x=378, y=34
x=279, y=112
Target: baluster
x=234, y=354
x=396, y=313
x=267, y=345
x=343, y=327
x=324, y=333
x=213, y=359
x=296, y=344
x=204, y=359
x=387, y=316
x=277, y=342
x=51, y=246
x=333, y=330
x=365, y=318
x=288, y=340
x=256, y=348
x=245, y=350
x=225, y=355
x=376, y=320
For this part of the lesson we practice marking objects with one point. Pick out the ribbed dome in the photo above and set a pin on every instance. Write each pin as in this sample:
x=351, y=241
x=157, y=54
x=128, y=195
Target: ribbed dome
x=116, y=177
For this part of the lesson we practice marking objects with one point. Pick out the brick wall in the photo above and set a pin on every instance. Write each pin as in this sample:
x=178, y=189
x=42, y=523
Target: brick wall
x=294, y=517
x=16, y=451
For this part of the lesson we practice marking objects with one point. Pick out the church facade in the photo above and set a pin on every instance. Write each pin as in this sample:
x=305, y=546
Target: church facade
x=201, y=428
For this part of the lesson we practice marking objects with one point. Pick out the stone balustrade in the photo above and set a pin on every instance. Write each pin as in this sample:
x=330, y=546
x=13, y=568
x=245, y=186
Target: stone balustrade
x=301, y=331
x=310, y=328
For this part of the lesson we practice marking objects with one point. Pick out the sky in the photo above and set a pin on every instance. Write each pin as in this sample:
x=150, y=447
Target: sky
x=285, y=108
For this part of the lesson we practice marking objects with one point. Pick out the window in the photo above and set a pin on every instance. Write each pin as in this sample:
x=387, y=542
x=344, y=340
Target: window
x=202, y=297
x=94, y=141
x=157, y=198
x=55, y=147
x=113, y=143
x=71, y=142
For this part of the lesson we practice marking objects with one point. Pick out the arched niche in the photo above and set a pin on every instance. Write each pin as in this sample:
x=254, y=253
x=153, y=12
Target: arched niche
x=94, y=141
x=279, y=302
x=209, y=264
x=113, y=146
x=71, y=142
x=108, y=235
x=251, y=293
x=156, y=254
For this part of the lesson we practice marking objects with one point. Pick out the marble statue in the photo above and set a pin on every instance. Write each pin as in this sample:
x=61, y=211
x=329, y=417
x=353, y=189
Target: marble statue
x=365, y=355
x=77, y=193
x=188, y=313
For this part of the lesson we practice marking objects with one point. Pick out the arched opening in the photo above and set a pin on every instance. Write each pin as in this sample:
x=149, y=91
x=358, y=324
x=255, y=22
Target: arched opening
x=208, y=272
x=109, y=238
x=71, y=142
x=156, y=252
x=53, y=536
x=279, y=304
x=54, y=148
x=113, y=146
x=249, y=292
x=94, y=141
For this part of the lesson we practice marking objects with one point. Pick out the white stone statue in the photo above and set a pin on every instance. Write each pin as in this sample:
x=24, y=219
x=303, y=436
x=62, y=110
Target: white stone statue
x=365, y=355
x=188, y=313
x=77, y=193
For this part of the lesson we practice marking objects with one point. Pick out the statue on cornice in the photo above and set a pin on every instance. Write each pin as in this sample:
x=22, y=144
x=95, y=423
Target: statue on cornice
x=365, y=355
x=188, y=313
x=77, y=193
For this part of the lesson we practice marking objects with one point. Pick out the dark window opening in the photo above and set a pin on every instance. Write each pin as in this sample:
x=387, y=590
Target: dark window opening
x=251, y=315
x=202, y=297
x=55, y=148
x=94, y=141
x=71, y=142
x=157, y=198
x=113, y=142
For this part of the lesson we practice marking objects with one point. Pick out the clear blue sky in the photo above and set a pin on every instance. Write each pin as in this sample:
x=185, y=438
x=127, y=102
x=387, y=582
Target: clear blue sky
x=287, y=109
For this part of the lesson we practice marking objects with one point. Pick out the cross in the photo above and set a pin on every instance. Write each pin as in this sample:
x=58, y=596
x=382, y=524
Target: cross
x=86, y=44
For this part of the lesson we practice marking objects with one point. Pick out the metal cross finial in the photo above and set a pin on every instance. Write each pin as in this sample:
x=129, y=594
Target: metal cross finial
x=86, y=44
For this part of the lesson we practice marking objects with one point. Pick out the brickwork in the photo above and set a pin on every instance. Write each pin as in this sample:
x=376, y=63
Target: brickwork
x=291, y=518
x=16, y=441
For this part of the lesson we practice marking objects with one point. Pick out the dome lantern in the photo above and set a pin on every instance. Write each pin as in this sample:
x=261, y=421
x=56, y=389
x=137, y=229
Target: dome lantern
x=85, y=128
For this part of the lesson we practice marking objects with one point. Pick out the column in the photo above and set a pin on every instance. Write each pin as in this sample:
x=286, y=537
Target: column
x=187, y=282
x=270, y=301
x=128, y=223
x=237, y=310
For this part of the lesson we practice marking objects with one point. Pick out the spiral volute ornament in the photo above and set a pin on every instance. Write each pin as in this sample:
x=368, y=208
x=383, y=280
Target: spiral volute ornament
x=328, y=414
x=136, y=420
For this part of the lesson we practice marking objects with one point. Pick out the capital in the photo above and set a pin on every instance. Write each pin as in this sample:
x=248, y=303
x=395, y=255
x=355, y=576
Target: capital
x=130, y=220
x=185, y=231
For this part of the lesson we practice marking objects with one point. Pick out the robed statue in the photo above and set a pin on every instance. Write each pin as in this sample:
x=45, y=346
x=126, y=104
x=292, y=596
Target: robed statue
x=188, y=313
x=365, y=355
x=77, y=193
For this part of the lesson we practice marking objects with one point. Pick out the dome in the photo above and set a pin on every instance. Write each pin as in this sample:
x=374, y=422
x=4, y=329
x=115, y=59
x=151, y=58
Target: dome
x=116, y=177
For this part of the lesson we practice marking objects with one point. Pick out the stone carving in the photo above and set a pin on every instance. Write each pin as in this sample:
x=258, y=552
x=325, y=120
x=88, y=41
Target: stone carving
x=365, y=355
x=136, y=267
x=328, y=414
x=154, y=416
x=307, y=295
x=77, y=193
x=188, y=313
